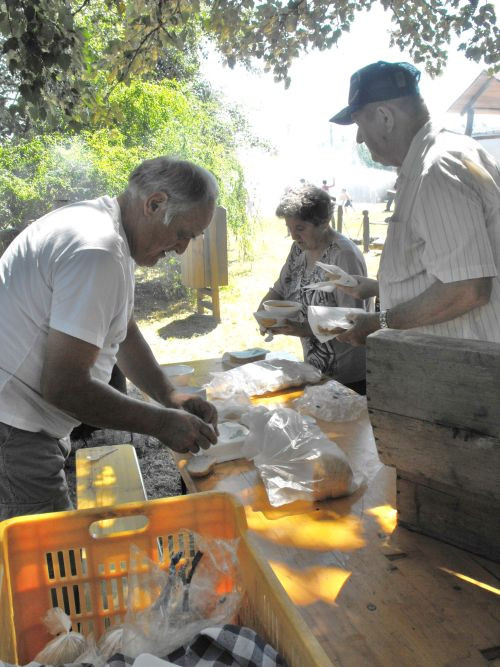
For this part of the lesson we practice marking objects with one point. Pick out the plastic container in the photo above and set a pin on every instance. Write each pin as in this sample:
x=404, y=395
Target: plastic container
x=268, y=319
x=179, y=374
x=287, y=308
x=52, y=560
x=229, y=446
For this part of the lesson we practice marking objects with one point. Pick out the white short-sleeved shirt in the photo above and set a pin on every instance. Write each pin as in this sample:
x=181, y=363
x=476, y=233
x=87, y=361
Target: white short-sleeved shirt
x=70, y=271
x=445, y=226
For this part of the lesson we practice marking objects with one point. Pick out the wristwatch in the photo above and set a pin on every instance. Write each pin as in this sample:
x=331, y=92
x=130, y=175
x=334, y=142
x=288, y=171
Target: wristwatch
x=382, y=318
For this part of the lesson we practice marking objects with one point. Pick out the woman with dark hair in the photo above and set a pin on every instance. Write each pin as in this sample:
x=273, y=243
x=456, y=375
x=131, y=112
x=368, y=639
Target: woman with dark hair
x=307, y=211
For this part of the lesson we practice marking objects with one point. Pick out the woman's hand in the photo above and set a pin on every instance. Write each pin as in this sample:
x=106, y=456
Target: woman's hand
x=292, y=328
x=366, y=288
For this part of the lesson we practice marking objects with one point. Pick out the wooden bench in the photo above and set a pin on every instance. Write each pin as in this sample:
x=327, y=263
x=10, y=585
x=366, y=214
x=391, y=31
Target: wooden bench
x=109, y=475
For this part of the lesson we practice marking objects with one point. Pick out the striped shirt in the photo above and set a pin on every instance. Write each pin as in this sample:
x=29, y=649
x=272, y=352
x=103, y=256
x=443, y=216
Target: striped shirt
x=446, y=226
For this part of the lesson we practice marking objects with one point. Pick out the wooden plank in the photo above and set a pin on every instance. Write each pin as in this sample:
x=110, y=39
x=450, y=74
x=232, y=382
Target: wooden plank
x=216, y=264
x=448, y=514
x=447, y=455
x=193, y=264
x=435, y=379
x=197, y=265
x=109, y=475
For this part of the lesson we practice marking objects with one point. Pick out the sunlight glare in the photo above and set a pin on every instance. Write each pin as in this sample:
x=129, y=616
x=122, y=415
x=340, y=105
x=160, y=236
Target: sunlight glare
x=318, y=531
x=470, y=580
x=309, y=585
x=386, y=516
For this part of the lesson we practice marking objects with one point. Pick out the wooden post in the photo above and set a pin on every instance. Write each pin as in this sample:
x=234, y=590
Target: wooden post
x=470, y=122
x=340, y=215
x=204, y=264
x=199, y=301
x=214, y=275
x=366, y=232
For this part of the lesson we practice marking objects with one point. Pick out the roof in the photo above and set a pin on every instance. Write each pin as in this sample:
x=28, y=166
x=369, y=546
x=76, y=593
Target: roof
x=483, y=96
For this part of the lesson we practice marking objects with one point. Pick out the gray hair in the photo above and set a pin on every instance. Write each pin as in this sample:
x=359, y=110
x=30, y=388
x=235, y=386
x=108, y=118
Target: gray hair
x=186, y=184
x=308, y=203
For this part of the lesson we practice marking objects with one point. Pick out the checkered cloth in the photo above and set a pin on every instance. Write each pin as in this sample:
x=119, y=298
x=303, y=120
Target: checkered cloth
x=227, y=645
x=213, y=647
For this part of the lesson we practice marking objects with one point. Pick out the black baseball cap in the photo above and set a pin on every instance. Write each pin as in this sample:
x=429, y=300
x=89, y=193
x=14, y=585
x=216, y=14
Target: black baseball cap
x=376, y=82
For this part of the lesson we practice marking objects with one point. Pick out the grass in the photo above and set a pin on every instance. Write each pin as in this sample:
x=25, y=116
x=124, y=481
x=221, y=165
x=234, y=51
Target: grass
x=176, y=334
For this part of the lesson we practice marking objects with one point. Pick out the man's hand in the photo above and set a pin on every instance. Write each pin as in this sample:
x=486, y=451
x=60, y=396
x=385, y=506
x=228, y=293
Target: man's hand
x=196, y=406
x=293, y=328
x=363, y=326
x=366, y=288
x=184, y=432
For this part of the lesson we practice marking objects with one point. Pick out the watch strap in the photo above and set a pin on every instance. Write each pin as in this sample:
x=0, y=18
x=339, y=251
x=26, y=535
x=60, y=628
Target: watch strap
x=382, y=318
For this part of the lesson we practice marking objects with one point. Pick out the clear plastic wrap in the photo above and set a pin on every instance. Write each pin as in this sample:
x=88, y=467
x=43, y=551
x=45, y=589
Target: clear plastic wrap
x=66, y=646
x=331, y=402
x=327, y=322
x=92, y=654
x=233, y=407
x=261, y=377
x=111, y=642
x=335, y=276
x=295, y=459
x=167, y=609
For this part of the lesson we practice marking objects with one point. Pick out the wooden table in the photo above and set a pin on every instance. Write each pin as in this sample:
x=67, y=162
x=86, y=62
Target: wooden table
x=372, y=593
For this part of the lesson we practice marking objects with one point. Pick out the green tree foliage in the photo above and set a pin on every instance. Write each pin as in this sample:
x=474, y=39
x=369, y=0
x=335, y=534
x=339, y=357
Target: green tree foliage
x=41, y=173
x=53, y=57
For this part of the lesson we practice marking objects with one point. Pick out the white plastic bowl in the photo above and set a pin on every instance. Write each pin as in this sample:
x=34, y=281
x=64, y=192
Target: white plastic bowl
x=284, y=308
x=267, y=319
x=179, y=374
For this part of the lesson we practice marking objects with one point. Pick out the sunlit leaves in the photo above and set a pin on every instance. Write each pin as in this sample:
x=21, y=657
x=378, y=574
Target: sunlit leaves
x=52, y=49
x=156, y=119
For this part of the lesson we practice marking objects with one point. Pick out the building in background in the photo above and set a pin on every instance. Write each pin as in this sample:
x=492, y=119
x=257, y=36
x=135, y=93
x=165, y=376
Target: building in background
x=481, y=97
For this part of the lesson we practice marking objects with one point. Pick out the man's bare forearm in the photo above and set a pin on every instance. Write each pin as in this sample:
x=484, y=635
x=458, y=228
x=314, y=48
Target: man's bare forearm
x=441, y=302
x=138, y=363
x=97, y=403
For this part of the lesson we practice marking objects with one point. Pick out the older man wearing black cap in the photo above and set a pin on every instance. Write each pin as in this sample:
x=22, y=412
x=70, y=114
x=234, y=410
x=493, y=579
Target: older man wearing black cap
x=439, y=267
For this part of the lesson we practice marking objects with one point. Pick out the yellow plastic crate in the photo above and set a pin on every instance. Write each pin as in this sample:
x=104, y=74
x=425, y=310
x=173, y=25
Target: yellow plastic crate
x=54, y=560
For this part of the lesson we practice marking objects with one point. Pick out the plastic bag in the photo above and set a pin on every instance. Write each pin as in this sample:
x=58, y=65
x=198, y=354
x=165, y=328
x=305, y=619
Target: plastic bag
x=92, y=655
x=335, y=276
x=327, y=322
x=331, y=402
x=295, y=460
x=260, y=377
x=111, y=642
x=233, y=407
x=66, y=646
x=167, y=609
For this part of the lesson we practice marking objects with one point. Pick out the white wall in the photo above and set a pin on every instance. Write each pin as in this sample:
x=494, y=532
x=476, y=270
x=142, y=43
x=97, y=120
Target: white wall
x=492, y=145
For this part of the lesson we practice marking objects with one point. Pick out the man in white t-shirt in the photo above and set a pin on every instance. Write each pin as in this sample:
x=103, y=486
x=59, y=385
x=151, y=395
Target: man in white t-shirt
x=66, y=298
x=439, y=268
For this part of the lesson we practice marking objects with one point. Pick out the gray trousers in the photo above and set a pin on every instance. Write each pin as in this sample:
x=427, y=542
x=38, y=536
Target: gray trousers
x=32, y=478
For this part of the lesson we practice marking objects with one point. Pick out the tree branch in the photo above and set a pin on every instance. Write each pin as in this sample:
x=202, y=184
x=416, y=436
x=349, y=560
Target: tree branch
x=82, y=6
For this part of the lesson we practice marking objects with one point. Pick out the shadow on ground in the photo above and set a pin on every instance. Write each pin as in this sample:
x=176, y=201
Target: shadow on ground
x=189, y=326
